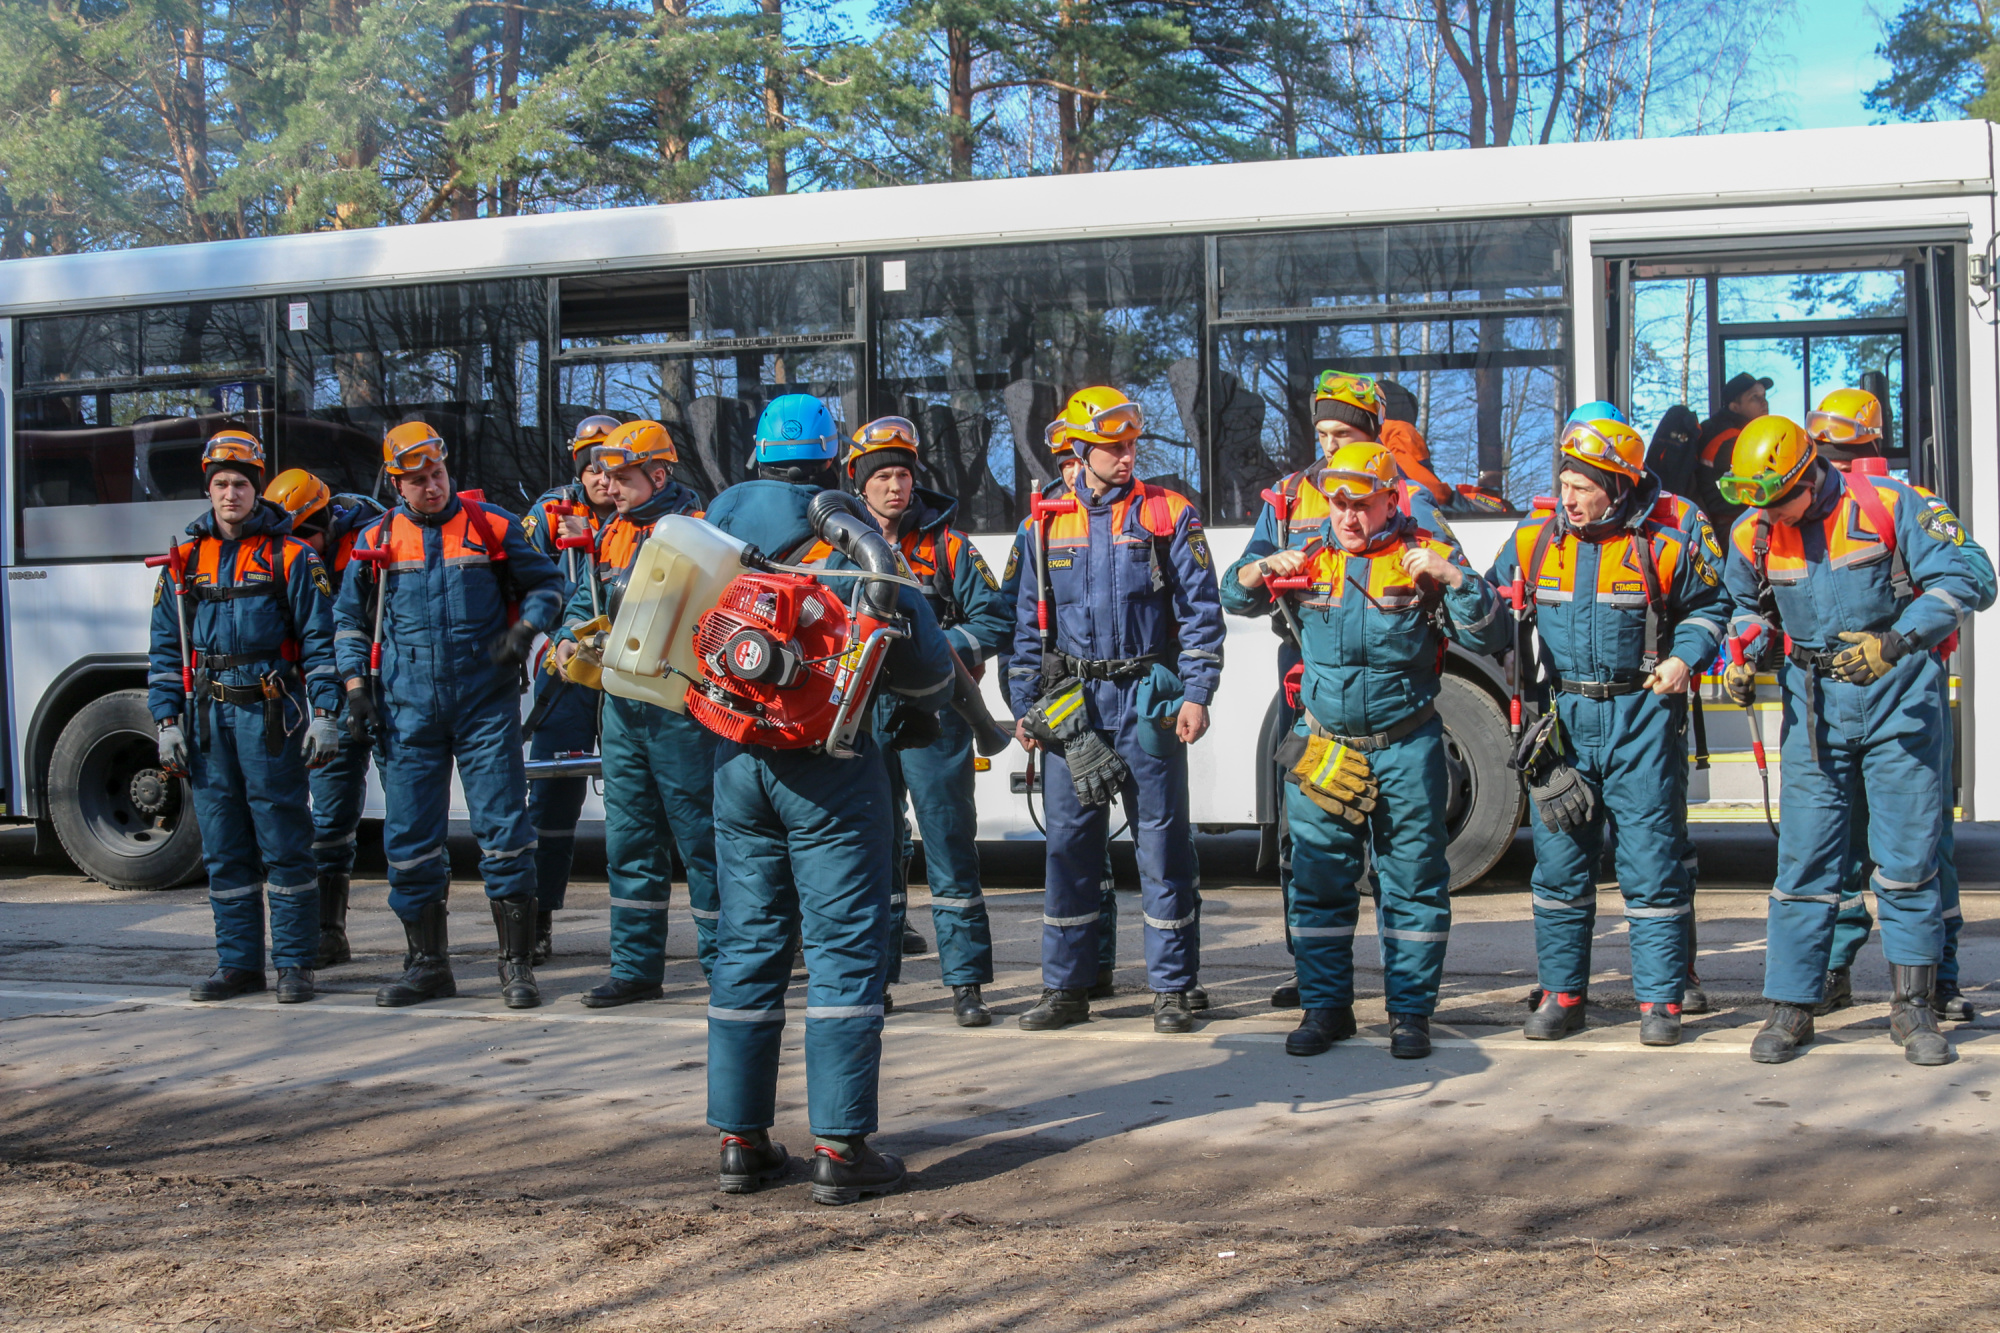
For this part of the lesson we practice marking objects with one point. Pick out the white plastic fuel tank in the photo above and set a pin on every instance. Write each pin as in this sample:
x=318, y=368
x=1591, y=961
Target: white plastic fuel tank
x=681, y=572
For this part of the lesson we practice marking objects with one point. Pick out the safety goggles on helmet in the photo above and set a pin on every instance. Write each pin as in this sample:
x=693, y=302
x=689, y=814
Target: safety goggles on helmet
x=300, y=494
x=1608, y=444
x=1362, y=391
x=591, y=431
x=1846, y=416
x=1357, y=471
x=636, y=443
x=409, y=447
x=1770, y=457
x=1759, y=492
x=234, y=446
x=887, y=432
x=1117, y=423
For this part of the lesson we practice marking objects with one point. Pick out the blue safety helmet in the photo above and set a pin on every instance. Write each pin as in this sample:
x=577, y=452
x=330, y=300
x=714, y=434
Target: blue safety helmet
x=797, y=428
x=1597, y=411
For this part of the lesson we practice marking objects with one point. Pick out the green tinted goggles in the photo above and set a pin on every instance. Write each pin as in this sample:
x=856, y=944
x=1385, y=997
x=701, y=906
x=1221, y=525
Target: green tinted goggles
x=1759, y=492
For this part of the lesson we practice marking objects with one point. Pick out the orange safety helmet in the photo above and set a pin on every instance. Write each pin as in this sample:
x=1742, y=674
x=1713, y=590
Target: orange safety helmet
x=880, y=434
x=1097, y=415
x=1770, y=457
x=634, y=444
x=233, y=446
x=299, y=493
x=1846, y=418
x=1358, y=470
x=1608, y=444
x=410, y=446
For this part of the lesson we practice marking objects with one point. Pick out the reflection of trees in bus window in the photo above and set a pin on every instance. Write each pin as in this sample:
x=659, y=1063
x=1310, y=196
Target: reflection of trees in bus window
x=1669, y=349
x=465, y=358
x=1764, y=298
x=1504, y=260
x=772, y=300
x=981, y=346
x=199, y=338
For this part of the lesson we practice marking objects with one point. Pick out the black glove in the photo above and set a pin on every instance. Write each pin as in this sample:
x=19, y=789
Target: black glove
x=912, y=728
x=1061, y=721
x=1564, y=799
x=364, y=719
x=513, y=647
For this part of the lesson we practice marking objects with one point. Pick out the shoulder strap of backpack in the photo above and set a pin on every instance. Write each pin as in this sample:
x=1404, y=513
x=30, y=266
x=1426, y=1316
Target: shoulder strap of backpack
x=1865, y=495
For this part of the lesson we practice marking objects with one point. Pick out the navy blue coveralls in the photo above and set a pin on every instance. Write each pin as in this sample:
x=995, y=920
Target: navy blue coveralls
x=259, y=606
x=1597, y=619
x=569, y=726
x=805, y=843
x=339, y=787
x=1373, y=646
x=1828, y=574
x=1133, y=586
x=659, y=780
x=443, y=697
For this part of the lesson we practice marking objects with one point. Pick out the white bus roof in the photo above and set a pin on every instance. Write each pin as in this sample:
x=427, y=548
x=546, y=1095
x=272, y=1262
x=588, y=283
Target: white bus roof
x=1808, y=166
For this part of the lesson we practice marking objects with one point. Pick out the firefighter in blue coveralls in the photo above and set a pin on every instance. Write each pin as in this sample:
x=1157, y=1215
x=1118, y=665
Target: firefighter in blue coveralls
x=1623, y=584
x=563, y=718
x=241, y=657
x=329, y=524
x=937, y=777
x=806, y=841
x=452, y=569
x=1365, y=766
x=1116, y=685
x=1847, y=429
x=659, y=766
x=1864, y=709
x=1347, y=408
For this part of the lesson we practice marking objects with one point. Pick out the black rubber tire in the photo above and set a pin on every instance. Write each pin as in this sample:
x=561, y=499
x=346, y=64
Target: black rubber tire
x=1485, y=804
x=107, y=744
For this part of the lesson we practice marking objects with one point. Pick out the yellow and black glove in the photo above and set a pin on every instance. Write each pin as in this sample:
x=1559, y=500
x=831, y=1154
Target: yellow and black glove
x=1871, y=657
x=586, y=666
x=1336, y=778
x=1739, y=682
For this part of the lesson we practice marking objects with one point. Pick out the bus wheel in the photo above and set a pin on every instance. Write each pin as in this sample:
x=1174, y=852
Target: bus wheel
x=126, y=824
x=1483, y=798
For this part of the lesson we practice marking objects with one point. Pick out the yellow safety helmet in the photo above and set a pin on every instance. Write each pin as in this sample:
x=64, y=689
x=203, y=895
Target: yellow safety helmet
x=410, y=446
x=635, y=443
x=1611, y=445
x=233, y=446
x=880, y=434
x=590, y=432
x=1358, y=471
x=1846, y=417
x=1771, y=456
x=1363, y=393
x=299, y=493
x=1097, y=415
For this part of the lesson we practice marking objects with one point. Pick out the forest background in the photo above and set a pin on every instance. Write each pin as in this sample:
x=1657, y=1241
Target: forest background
x=150, y=122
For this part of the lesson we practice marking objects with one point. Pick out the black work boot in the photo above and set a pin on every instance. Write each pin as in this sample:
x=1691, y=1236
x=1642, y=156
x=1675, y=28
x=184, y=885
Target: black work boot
x=545, y=937
x=1556, y=1015
x=227, y=983
x=295, y=985
x=1694, y=997
x=845, y=1170
x=913, y=942
x=333, y=948
x=1058, y=1009
x=751, y=1161
x=1912, y=1025
x=611, y=993
x=1789, y=1027
x=1409, y=1036
x=1948, y=1002
x=1171, y=1012
x=1197, y=998
x=1839, y=993
x=968, y=1009
x=888, y=1002
x=1286, y=996
x=1319, y=1029
x=426, y=966
x=1105, y=986
x=1659, y=1023
x=514, y=920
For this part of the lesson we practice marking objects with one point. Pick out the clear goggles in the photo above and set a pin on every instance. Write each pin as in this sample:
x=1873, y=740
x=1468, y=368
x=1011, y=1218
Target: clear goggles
x=611, y=457
x=1353, y=485
x=1587, y=442
x=233, y=448
x=1836, y=429
x=416, y=454
x=885, y=431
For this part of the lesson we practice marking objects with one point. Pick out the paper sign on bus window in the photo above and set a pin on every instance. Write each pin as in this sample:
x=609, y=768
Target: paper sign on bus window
x=895, y=275
x=295, y=317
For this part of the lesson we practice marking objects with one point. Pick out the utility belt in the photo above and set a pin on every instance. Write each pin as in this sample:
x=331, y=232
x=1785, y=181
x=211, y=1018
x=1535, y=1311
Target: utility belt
x=224, y=661
x=1380, y=740
x=1621, y=683
x=270, y=693
x=1812, y=659
x=1120, y=668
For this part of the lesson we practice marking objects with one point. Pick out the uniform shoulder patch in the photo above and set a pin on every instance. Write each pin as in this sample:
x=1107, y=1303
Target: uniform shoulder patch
x=1939, y=522
x=320, y=580
x=1013, y=563
x=979, y=563
x=1197, y=541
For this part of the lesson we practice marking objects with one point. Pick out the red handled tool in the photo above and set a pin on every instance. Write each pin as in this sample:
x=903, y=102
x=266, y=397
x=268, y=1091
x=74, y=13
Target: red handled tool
x=1040, y=510
x=584, y=541
x=1737, y=657
x=176, y=566
x=1516, y=596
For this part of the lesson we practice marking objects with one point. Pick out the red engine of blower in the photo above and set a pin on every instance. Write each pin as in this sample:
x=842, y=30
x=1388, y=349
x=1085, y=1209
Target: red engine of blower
x=778, y=654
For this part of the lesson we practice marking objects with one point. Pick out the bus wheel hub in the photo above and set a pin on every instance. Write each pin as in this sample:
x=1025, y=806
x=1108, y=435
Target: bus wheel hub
x=152, y=795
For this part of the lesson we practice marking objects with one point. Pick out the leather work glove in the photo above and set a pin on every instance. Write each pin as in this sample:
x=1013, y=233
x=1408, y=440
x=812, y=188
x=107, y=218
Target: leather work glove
x=1564, y=799
x=586, y=665
x=1336, y=778
x=322, y=740
x=1061, y=721
x=513, y=647
x=1740, y=683
x=912, y=728
x=173, y=747
x=364, y=719
x=1871, y=658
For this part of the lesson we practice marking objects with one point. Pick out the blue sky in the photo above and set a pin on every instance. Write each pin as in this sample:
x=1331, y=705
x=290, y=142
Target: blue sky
x=1832, y=49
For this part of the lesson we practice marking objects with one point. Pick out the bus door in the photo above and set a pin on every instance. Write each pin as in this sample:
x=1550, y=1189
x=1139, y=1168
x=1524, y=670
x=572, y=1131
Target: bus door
x=1866, y=310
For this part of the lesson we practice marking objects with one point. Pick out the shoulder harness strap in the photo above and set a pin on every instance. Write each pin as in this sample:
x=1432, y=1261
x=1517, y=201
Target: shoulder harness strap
x=1861, y=488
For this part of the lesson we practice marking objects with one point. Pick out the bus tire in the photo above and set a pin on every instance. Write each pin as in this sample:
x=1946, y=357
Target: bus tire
x=123, y=822
x=1484, y=801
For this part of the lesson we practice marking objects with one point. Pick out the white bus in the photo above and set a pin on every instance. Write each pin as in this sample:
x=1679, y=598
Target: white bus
x=1500, y=286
